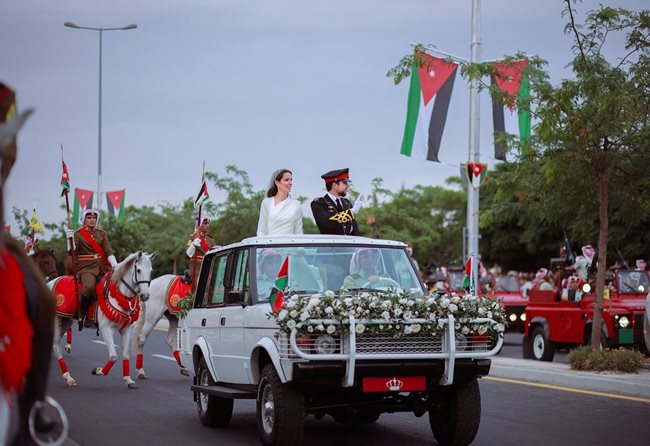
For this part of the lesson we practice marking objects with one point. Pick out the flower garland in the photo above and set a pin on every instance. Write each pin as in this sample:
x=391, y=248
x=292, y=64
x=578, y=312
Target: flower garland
x=397, y=310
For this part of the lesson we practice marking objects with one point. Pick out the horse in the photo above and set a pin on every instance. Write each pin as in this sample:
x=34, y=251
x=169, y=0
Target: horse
x=116, y=308
x=164, y=295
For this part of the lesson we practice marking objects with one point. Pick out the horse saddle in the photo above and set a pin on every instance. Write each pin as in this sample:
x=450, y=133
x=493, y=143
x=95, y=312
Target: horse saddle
x=176, y=291
x=66, y=289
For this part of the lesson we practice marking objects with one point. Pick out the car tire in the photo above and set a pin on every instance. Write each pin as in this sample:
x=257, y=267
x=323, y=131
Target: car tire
x=280, y=410
x=542, y=349
x=456, y=417
x=213, y=410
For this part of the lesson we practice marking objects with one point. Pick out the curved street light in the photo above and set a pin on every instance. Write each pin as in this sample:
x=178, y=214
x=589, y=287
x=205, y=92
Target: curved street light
x=99, y=144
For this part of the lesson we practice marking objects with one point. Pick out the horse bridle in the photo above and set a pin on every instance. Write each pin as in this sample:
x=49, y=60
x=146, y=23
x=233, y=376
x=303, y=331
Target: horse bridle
x=48, y=274
x=137, y=282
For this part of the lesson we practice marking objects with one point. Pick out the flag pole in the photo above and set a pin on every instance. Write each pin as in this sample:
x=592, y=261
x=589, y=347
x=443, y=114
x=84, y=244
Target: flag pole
x=66, y=192
x=196, y=232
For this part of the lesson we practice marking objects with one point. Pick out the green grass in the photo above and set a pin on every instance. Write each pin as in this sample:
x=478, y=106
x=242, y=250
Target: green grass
x=621, y=360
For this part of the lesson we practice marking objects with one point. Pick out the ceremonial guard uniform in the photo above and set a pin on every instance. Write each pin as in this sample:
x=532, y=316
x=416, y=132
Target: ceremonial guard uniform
x=94, y=257
x=199, y=246
x=333, y=212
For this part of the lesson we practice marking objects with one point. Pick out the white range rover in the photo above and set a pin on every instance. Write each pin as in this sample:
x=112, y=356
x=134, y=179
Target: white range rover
x=357, y=336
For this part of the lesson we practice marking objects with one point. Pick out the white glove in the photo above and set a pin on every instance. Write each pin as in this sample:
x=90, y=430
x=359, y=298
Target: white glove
x=69, y=238
x=112, y=260
x=361, y=201
x=190, y=251
x=69, y=233
x=197, y=242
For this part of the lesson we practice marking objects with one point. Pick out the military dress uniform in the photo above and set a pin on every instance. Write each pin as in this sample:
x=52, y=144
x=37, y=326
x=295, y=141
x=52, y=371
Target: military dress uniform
x=333, y=218
x=196, y=255
x=90, y=264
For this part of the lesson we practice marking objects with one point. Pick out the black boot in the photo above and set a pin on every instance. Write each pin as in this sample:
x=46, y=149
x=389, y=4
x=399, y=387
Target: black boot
x=85, y=304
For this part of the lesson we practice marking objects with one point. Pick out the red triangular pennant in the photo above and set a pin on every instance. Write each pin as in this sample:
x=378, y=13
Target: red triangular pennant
x=83, y=196
x=433, y=73
x=508, y=76
x=116, y=198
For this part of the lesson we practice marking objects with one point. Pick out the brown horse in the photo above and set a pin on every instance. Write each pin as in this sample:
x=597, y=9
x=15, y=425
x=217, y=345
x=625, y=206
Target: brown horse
x=46, y=262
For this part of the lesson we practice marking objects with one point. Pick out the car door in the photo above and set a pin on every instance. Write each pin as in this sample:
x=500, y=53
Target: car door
x=233, y=361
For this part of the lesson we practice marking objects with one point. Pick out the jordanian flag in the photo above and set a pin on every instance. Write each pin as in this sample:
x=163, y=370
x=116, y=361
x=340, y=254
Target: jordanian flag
x=468, y=282
x=277, y=293
x=507, y=115
x=65, y=180
x=476, y=173
x=203, y=196
x=83, y=199
x=115, y=202
x=428, y=102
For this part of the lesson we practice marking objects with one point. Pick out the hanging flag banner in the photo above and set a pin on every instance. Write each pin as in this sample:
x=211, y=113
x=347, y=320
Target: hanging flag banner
x=65, y=179
x=428, y=103
x=276, y=298
x=507, y=115
x=203, y=196
x=83, y=199
x=475, y=174
x=115, y=202
x=468, y=281
x=34, y=224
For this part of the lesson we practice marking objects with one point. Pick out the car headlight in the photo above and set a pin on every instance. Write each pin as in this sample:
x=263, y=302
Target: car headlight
x=522, y=316
x=586, y=288
x=641, y=289
x=512, y=317
x=624, y=322
x=325, y=345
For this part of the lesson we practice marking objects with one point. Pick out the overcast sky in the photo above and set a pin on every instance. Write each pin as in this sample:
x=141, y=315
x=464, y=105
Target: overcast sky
x=259, y=84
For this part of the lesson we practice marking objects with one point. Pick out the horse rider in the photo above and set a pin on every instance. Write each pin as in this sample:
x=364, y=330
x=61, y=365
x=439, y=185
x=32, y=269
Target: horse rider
x=334, y=214
x=93, y=257
x=201, y=243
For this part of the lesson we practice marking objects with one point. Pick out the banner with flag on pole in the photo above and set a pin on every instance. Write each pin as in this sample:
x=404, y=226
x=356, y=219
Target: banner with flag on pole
x=202, y=196
x=476, y=173
x=277, y=293
x=508, y=116
x=428, y=103
x=65, y=178
x=34, y=224
x=115, y=202
x=468, y=282
x=83, y=199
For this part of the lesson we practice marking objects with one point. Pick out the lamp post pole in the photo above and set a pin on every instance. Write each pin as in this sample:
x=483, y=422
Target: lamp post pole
x=99, y=125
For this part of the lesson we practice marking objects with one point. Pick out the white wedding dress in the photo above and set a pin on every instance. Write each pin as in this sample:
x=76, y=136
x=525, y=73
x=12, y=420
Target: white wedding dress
x=278, y=219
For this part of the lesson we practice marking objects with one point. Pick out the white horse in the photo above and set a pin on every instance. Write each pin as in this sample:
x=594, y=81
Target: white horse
x=152, y=312
x=117, y=309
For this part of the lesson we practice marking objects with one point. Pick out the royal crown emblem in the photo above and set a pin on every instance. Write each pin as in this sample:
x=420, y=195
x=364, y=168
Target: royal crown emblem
x=394, y=385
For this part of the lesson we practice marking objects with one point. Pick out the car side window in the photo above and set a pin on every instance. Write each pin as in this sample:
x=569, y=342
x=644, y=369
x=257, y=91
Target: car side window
x=240, y=274
x=214, y=294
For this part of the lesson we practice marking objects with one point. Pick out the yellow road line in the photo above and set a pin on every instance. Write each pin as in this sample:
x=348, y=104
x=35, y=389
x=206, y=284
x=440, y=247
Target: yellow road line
x=568, y=389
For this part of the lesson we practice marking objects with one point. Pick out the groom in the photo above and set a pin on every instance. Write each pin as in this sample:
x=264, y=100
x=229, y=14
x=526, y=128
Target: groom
x=333, y=212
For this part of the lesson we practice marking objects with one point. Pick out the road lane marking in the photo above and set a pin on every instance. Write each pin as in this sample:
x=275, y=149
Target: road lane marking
x=164, y=357
x=568, y=389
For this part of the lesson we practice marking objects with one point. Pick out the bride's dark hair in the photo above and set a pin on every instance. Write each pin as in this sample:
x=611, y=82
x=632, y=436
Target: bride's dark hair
x=273, y=190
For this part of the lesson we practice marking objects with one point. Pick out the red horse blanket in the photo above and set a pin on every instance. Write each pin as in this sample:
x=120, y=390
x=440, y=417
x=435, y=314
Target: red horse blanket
x=176, y=291
x=67, y=302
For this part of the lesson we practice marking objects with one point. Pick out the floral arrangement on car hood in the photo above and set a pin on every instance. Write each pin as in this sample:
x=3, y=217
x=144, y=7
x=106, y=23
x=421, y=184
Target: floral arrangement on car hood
x=399, y=311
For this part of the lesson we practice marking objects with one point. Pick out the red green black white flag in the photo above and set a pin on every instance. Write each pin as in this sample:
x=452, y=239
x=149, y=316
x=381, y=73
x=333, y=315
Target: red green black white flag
x=428, y=103
x=476, y=173
x=65, y=180
x=468, y=282
x=277, y=293
x=203, y=195
x=509, y=116
x=115, y=202
x=83, y=199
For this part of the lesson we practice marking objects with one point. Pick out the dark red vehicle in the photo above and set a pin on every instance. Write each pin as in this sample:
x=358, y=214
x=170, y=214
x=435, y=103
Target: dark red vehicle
x=508, y=291
x=552, y=322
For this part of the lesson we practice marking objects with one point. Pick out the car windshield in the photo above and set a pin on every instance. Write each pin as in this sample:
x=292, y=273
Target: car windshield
x=315, y=269
x=633, y=281
x=508, y=284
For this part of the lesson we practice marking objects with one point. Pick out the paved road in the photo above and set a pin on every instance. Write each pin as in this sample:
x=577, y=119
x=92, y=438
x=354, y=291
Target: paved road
x=102, y=411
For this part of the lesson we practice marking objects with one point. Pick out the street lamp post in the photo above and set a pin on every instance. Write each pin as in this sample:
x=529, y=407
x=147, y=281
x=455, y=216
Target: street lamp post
x=99, y=142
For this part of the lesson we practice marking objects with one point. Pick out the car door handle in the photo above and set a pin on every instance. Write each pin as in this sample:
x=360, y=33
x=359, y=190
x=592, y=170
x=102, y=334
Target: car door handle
x=203, y=322
x=223, y=321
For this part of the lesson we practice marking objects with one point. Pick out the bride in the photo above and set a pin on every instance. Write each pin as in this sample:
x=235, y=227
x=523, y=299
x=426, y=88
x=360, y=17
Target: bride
x=280, y=214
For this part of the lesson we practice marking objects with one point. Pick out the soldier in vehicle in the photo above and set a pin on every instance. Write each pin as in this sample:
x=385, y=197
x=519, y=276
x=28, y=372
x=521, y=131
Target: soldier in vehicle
x=364, y=268
x=585, y=263
x=268, y=266
x=200, y=244
x=334, y=214
x=543, y=280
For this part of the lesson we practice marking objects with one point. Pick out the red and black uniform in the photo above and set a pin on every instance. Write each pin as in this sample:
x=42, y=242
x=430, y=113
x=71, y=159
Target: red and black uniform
x=92, y=250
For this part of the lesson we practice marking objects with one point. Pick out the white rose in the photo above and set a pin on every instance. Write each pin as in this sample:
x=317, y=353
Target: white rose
x=385, y=315
x=329, y=293
x=489, y=315
x=397, y=312
x=291, y=324
x=304, y=316
x=408, y=329
x=360, y=328
x=416, y=328
x=408, y=314
x=444, y=303
x=331, y=329
x=313, y=302
x=464, y=330
x=482, y=329
x=283, y=314
x=329, y=310
x=432, y=316
x=481, y=311
x=310, y=328
x=431, y=300
x=320, y=327
x=453, y=308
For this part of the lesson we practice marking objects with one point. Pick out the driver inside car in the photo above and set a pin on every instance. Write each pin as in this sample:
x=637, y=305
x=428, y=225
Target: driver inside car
x=268, y=266
x=364, y=268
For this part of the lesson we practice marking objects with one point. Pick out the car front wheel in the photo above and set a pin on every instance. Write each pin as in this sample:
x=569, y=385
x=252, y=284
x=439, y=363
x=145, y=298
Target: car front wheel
x=280, y=410
x=456, y=417
x=541, y=347
x=213, y=411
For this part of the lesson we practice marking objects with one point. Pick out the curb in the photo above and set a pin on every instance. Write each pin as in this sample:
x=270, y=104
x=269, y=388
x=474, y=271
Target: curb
x=629, y=384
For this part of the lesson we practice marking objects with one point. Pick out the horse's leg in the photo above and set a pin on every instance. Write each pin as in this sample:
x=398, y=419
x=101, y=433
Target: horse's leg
x=171, y=338
x=59, y=328
x=143, y=329
x=126, y=369
x=106, y=329
x=68, y=341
